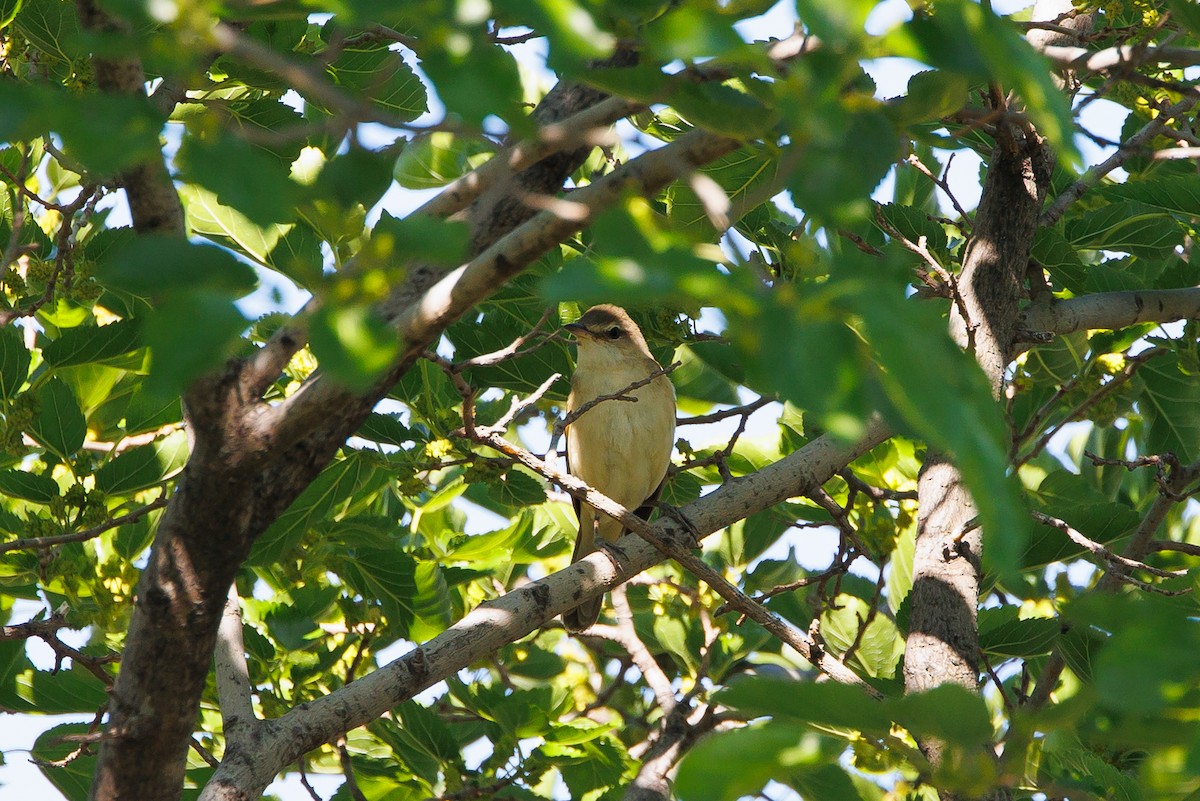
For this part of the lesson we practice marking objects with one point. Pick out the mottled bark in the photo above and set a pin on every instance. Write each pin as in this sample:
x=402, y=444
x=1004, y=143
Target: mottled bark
x=943, y=643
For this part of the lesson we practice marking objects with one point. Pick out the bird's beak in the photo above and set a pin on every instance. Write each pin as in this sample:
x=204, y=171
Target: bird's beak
x=576, y=329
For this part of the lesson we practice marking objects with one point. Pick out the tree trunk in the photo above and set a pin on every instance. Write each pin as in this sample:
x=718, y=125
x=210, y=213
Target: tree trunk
x=943, y=642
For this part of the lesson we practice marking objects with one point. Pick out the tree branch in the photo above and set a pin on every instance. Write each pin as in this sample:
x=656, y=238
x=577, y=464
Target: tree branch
x=238, y=720
x=1108, y=310
x=521, y=611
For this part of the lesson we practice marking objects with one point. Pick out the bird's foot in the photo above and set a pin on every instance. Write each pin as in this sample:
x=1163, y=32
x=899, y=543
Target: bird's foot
x=679, y=517
x=615, y=555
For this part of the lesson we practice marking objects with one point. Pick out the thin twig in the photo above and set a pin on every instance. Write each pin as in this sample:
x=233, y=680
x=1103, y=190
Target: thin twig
x=86, y=534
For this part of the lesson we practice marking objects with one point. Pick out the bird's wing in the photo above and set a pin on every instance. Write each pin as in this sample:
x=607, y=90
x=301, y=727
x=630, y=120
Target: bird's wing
x=648, y=505
x=574, y=501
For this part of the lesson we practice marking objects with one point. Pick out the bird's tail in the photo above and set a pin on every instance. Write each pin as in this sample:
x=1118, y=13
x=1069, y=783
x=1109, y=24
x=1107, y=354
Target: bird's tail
x=584, y=615
x=588, y=612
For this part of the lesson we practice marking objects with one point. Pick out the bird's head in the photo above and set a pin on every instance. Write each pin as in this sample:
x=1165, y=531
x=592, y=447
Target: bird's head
x=608, y=330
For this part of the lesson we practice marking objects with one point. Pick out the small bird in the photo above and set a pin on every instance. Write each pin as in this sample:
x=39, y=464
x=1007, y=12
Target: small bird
x=620, y=448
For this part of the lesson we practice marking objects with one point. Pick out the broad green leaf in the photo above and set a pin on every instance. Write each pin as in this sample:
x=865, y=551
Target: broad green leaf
x=1171, y=401
x=145, y=466
x=1003, y=634
x=226, y=226
x=931, y=95
x=969, y=39
x=921, y=369
x=827, y=704
x=28, y=486
x=915, y=225
x=59, y=424
x=418, y=238
x=353, y=344
x=1131, y=227
x=1177, y=194
x=948, y=712
x=150, y=265
x=433, y=160
x=738, y=763
x=879, y=648
x=220, y=162
x=476, y=79
x=74, y=779
x=385, y=428
x=331, y=490
x=72, y=690
x=93, y=344
x=1059, y=257
x=14, y=362
x=189, y=333
x=517, y=489
x=382, y=78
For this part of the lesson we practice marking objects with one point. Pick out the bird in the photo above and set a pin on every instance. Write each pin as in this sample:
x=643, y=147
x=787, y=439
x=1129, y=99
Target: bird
x=621, y=448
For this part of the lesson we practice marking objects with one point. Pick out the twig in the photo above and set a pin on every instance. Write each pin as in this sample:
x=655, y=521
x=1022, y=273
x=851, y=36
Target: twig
x=943, y=184
x=624, y=635
x=1122, y=563
x=1131, y=147
x=47, y=631
x=735, y=597
x=1131, y=366
x=704, y=419
x=1180, y=547
x=86, y=534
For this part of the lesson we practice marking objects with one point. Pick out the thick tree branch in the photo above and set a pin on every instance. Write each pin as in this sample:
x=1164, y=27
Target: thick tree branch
x=1109, y=310
x=238, y=720
x=521, y=611
x=462, y=288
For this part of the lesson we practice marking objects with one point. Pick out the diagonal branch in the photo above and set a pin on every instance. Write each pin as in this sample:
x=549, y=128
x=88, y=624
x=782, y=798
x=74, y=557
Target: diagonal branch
x=521, y=611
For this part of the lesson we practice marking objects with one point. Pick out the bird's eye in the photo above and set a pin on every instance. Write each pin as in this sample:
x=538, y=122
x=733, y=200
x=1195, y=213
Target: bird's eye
x=614, y=332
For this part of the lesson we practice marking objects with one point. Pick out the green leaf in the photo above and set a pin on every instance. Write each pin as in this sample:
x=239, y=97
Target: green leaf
x=739, y=763
x=59, y=425
x=226, y=226
x=932, y=94
x=73, y=690
x=969, y=39
x=1132, y=227
x=723, y=109
x=833, y=182
x=145, y=466
x=913, y=224
x=431, y=161
x=922, y=369
x=517, y=489
x=381, y=77
x=1058, y=256
x=14, y=362
x=222, y=161
x=93, y=343
x=1177, y=194
x=74, y=779
x=418, y=238
x=385, y=576
x=948, y=712
x=476, y=79
x=190, y=333
x=1171, y=401
x=828, y=704
x=353, y=344
x=28, y=486
x=332, y=489
x=385, y=428
x=879, y=648
x=1003, y=634
x=150, y=265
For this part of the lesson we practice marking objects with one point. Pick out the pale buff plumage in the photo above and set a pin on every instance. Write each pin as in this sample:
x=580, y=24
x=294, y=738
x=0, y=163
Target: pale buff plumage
x=620, y=448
